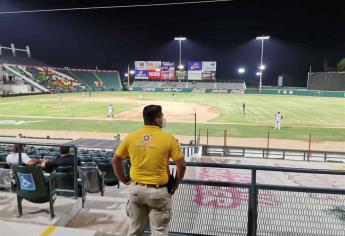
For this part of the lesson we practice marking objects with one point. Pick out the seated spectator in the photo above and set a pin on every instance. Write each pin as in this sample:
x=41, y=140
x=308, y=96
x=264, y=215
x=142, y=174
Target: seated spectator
x=13, y=158
x=65, y=159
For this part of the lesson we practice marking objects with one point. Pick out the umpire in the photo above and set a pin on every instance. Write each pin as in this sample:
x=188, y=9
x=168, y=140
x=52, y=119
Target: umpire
x=149, y=149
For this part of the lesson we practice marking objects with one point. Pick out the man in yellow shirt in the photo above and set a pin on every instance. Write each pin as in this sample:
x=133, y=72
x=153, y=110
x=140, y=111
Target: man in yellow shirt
x=149, y=149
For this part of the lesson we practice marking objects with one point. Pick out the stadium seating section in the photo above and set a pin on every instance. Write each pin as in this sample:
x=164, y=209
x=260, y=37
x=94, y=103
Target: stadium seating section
x=95, y=166
x=68, y=80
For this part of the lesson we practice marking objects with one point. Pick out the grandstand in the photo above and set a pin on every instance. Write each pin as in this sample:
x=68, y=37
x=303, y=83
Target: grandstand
x=95, y=80
x=44, y=79
x=110, y=80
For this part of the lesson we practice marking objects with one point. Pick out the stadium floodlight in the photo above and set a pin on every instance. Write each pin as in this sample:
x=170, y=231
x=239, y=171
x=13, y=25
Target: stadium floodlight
x=181, y=67
x=241, y=70
x=132, y=72
x=126, y=74
x=258, y=73
x=180, y=39
x=262, y=67
x=262, y=38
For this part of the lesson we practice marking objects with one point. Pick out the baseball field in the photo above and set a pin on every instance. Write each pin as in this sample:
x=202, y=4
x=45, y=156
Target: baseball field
x=323, y=117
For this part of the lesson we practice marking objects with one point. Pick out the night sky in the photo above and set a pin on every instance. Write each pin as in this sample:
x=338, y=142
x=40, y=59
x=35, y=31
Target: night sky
x=302, y=34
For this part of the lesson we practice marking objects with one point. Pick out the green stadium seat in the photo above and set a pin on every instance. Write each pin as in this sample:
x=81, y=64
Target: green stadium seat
x=64, y=181
x=93, y=178
x=110, y=179
x=34, y=186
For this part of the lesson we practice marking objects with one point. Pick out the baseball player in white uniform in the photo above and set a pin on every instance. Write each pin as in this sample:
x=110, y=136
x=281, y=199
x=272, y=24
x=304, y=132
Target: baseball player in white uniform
x=110, y=111
x=278, y=120
x=60, y=99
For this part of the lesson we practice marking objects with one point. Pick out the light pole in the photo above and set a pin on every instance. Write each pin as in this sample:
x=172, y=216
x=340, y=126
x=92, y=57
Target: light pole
x=180, y=39
x=262, y=38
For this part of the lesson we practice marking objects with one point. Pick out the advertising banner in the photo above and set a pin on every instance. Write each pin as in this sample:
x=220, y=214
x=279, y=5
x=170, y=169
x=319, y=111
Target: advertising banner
x=208, y=75
x=140, y=65
x=168, y=66
x=154, y=65
x=209, y=66
x=141, y=74
x=195, y=66
x=167, y=75
x=194, y=75
x=181, y=74
x=154, y=74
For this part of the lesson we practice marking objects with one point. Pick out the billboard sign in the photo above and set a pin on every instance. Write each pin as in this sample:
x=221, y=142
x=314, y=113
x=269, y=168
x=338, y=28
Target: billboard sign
x=208, y=75
x=195, y=66
x=154, y=65
x=141, y=74
x=154, y=74
x=209, y=66
x=168, y=66
x=181, y=74
x=140, y=65
x=194, y=75
x=167, y=75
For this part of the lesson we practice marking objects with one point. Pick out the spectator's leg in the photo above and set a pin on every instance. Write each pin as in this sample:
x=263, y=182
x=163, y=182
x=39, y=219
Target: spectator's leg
x=137, y=212
x=160, y=213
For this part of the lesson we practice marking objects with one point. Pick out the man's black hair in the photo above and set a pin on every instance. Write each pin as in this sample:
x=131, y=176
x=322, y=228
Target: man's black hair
x=150, y=113
x=64, y=150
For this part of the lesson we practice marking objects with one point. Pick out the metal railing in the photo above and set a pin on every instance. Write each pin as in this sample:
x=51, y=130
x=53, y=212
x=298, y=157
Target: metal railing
x=273, y=153
x=244, y=206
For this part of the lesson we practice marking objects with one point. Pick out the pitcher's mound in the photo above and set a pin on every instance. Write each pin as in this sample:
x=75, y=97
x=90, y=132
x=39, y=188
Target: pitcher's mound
x=173, y=111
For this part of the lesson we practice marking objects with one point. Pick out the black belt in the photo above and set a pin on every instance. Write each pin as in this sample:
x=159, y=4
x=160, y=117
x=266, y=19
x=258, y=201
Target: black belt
x=151, y=185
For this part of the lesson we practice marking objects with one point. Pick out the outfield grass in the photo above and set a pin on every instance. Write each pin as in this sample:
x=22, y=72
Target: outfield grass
x=318, y=112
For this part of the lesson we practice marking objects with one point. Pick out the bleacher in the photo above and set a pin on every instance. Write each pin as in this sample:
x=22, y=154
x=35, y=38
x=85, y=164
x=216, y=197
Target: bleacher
x=65, y=79
x=86, y=77
x=111, y=80
x=34, y=72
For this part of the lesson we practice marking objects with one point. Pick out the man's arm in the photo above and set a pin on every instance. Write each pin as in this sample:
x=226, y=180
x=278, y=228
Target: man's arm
x=180, y=170
x=28, y=161
x=33, y=162
x=118, y=170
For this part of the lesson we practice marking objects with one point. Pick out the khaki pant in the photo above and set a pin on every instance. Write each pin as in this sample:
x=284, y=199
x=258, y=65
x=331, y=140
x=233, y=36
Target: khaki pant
x=148, y=203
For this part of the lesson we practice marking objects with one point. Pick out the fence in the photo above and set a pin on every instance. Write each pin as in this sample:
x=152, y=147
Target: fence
x=273, y=153
x=246, y=207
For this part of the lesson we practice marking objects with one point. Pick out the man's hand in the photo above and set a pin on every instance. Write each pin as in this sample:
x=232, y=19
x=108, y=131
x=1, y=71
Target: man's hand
x=118, y=170
x=128, y=182
x=43, y=164
x=180, y=170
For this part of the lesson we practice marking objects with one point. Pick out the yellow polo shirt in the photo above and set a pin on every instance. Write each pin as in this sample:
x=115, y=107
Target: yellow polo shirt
x=150, y=149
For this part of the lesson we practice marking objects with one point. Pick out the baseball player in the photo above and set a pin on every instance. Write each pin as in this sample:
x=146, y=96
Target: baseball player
x=278, y=120
x=60, y=99
x=110, y=111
